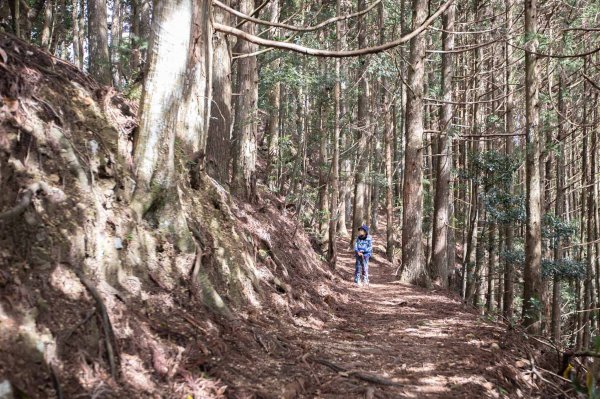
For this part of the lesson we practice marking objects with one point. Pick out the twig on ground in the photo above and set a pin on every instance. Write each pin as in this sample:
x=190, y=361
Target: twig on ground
x=193, y=322
x=356, y=374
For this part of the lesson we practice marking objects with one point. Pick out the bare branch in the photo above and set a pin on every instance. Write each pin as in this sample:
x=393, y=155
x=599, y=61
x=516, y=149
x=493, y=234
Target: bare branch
x=254, y=12
x=292, y=27
x=328, y=53
x=556, y=55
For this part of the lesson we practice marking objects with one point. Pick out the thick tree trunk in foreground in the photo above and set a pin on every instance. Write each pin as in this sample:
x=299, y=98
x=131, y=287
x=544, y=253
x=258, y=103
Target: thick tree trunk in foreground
x=413, y=267
x=99, y=60
x=441, y=218
x=165, y=111
x=243, y=182
x=532, y=288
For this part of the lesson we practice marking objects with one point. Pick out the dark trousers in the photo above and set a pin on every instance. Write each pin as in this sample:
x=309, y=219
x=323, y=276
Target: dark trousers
x=361, y=270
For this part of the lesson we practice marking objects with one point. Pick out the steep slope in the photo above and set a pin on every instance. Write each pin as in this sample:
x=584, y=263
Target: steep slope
x=86, y=292
x=95, y=304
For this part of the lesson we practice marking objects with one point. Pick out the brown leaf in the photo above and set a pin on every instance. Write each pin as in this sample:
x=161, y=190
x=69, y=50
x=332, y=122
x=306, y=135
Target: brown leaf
x=3, y=55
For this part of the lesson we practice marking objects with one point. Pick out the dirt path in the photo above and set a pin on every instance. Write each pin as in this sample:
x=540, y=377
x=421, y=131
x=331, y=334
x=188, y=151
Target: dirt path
x=424, y=342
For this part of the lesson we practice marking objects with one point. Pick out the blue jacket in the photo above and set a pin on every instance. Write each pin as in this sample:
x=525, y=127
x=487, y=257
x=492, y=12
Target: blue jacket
x=365, y=245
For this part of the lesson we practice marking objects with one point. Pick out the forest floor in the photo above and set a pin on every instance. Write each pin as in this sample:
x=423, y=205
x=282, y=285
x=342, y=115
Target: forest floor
x=392, y=340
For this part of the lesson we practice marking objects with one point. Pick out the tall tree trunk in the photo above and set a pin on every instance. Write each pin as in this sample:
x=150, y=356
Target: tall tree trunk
x=596, y=210
x=441, y=204
x=193, y=120
x=77, y=56
x=491, y=270
x=334, y=209
x=47, y=25
x=389, y=176
x=510, y=124
x=532, y=288
x=360, y=216
x=116, y=32
x=588, y=154
x=413, y=267
x=243, y=182
x=274, y=99
x=323, y=203
x=82, y=33
x=559, y=207
x=99, y=60
x=218, y=146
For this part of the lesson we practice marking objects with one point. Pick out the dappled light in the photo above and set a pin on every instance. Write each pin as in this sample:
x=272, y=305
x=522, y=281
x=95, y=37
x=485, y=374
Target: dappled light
x=280, y=199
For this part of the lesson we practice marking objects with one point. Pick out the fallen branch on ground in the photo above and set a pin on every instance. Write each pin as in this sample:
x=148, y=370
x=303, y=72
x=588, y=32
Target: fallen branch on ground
x=356, y=374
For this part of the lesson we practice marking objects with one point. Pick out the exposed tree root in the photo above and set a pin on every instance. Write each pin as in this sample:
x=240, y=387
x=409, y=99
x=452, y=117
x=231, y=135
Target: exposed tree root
x=56, y=382
x=88, y=316
x=356, y=374
x=26, y=199
x=106, y=325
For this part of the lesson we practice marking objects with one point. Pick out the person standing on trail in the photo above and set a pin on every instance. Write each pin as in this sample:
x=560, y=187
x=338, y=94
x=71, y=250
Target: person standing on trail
x=363, y=248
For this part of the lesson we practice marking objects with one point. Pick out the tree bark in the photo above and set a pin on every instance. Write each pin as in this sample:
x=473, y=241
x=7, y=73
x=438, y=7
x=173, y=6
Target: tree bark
x=218, y=146
x=359, y=216
x=510, y=124
x=532, y=288
x=77, y=56
x=116, y=32
x=334, y=209
x=441, y=204
x=413, y=267
x=243, y=183
x=272, y=128
x=99, y=60
x=47, y=25
x=173, y=46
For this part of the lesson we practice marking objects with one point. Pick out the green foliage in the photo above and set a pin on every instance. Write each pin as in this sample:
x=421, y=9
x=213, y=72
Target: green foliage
x=563, y=268
x=495, y=171
x=515, y=257
x=555, y=229
x=503, y=207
